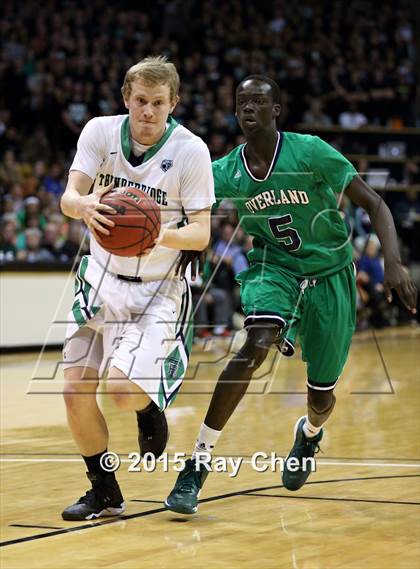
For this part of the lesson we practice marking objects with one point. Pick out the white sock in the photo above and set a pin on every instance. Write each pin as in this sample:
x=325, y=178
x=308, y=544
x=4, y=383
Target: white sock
x=206, y=441
x=309, y=429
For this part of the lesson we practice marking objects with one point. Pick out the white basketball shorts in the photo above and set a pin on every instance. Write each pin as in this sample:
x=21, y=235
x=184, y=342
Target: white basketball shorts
x=144, y=329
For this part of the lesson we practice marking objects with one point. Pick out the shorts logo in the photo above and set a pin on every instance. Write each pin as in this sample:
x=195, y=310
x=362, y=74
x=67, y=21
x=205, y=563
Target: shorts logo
x=173, y=367
x=166, y=164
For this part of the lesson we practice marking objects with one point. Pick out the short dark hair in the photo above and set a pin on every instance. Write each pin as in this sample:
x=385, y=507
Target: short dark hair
x=275, y=89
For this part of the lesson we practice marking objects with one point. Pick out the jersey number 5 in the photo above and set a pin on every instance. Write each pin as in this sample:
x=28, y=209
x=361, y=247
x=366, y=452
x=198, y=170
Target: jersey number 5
x=288, y=238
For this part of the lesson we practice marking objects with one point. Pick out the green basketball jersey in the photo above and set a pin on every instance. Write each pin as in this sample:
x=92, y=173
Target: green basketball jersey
x=292, y=213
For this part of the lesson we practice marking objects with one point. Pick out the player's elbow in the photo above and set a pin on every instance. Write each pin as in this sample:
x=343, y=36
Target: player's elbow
x=374, y=204
x=203, y=241
x=200, y=234
x=64, y=204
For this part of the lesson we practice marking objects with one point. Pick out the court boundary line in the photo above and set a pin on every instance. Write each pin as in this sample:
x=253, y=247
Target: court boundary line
x=33, y=526
x=205, y=500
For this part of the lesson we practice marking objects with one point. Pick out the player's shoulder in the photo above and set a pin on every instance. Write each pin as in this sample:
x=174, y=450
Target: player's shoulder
x=104, y=124
x=302, y=141
x=305, y=142
x=185, y=137
x=304, y=147
x=227, y=172
x=228, y=161
x=108, y=121
x=189, y=147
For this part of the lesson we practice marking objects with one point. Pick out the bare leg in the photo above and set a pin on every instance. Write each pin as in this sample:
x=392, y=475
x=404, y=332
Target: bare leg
x=126, y=395
x=320, y=406
x=234, y=379
x=84, y=417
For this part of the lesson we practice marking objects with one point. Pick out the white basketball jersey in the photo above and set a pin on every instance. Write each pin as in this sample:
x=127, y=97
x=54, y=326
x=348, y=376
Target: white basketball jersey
x=176, y=172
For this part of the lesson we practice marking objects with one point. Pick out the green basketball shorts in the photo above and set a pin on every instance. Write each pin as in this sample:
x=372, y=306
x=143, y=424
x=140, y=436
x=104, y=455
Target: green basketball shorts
x=322, y=312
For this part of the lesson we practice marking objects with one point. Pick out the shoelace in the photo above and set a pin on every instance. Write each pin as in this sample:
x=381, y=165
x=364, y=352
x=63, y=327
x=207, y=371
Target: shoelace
x=189, y=483
x=88, y=498
x=315, y=445
x=94, y=497
x=187, y=487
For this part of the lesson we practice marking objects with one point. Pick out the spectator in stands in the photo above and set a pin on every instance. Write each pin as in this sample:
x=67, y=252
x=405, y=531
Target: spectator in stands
x=8, y=239
x=407, y=217
x=75, y=114
x=51, y=241
x=212, y=308
x=362, y=225
x=16, y=192
x=315, y=116
x=53, y=182
x=34, y=252
x=229, y=253
x=226, y=261
x=382, y=95
x=10, y=169
x=370, y=278
x=352, y=118
x=75, y=245
x=31, y=211
x=8, y=204
x=37, y=145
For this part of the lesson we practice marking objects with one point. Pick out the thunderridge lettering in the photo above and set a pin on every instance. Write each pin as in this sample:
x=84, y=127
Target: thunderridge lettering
x=155, y=193
x=276, y=197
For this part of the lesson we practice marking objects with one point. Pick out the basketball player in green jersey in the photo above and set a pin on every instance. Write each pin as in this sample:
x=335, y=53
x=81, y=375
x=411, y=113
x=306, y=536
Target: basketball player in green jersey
x=301, y=276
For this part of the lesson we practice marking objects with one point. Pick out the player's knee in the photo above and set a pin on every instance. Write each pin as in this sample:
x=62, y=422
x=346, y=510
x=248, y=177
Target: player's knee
x=130, y=401
x=118, y=393
x=79, y=394
x=127, y=396
x=321, y=401
x=259, y=341
x=121, y=400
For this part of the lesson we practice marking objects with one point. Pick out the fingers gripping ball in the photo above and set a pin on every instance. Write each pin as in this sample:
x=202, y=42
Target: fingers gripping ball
x=137, y=222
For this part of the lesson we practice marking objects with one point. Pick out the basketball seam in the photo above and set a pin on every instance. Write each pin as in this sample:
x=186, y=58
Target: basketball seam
x=133, y=204
x=148, y=233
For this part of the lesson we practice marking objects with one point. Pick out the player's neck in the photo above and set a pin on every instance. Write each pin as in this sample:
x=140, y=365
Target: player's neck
x=140, y=138
x=262, y=145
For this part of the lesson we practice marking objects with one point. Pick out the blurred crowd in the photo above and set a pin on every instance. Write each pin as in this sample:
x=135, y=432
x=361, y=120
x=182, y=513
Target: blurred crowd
x=63, y=62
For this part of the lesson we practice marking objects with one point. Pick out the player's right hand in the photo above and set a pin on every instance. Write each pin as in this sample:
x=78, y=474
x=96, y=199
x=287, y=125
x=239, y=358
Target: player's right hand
x=396, y=277
x=196, y=258
x=91, y=211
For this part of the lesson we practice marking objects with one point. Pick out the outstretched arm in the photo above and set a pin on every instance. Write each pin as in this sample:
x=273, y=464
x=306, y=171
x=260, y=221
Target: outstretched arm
x=396, y=276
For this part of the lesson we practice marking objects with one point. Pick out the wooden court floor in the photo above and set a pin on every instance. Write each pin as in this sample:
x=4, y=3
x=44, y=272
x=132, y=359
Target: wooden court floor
x=360, y=509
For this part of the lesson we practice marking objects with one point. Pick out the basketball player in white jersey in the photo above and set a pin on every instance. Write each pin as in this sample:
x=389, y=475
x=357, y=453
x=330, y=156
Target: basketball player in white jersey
x=131, y=316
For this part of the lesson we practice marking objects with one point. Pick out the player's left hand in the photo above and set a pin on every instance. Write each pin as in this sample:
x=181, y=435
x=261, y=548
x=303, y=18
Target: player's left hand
x=148, y=250
x=396, y=277
x=196, y=258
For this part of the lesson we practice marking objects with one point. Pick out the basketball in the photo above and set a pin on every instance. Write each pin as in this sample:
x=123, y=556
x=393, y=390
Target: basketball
x=137, y=222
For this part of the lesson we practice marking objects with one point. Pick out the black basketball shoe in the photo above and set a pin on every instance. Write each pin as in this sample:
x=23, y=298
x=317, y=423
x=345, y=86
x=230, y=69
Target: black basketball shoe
x=104, y=499
x=153, y=430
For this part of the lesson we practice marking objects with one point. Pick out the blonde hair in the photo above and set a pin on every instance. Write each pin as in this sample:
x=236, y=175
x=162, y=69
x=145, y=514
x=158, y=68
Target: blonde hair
x=154, y=70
